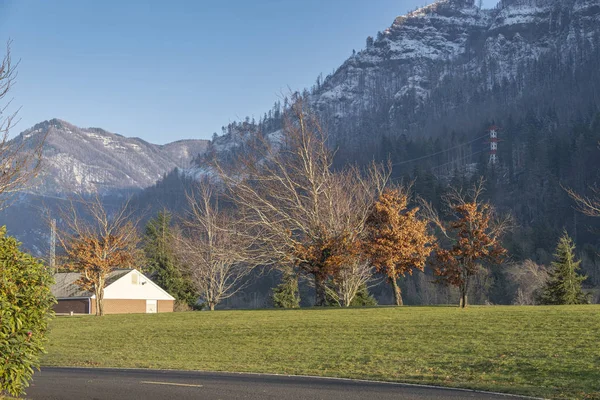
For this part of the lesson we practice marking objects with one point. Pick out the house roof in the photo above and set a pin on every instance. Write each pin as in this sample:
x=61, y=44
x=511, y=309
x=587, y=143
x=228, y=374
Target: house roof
x=65, y=286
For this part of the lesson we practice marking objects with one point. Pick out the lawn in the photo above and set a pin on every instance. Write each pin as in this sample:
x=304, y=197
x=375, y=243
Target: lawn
x=551, y=352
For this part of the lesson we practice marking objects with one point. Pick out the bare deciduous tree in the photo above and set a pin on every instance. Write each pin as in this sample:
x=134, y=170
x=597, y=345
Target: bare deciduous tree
x=349, y=279
x=217, y=255
x=302, y=212
x=529, y=279
x=20, y=160
x=353, y=194
x=587, y=205
x=97, y=242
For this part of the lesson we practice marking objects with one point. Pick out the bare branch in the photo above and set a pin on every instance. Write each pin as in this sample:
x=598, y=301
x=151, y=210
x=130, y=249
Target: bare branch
x=300, y=211
x=586, y=205
x=216, y=254
x=429, y=212
x=20, y=159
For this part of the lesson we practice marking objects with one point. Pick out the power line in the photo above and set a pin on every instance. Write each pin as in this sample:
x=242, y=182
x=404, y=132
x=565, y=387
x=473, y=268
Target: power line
x=393, y=165
x=53, y=244
x=439, y=152
x=448, y=163
x=44, y=195
x=460, y=159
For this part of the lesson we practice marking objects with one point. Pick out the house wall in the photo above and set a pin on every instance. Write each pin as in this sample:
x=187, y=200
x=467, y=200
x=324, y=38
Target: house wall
x=129, y=306
x=66, y=306
x=121, y=306
x=135, y=285
x=165, y=305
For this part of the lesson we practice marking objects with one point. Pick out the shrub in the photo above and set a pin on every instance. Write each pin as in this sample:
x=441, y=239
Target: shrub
x=363, y=298
x=25, y=310
x=528, y=280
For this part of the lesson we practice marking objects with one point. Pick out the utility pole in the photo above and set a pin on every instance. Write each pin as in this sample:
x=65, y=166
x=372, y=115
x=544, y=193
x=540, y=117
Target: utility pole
x=53, y=244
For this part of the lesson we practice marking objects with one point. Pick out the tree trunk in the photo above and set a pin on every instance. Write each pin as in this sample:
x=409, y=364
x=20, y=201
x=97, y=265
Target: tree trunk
x=463, y=297
x=464, y=289
x=211, y=306
x=463, y=300
x=99, y=302
x=346, y=299
x=320, y=297
x=397, y=292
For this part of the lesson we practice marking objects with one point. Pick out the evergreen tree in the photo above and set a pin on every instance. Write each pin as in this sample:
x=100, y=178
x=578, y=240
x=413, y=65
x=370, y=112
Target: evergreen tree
x=564, y=283
x=161, y=261
x=286, y=295
x=363, y=298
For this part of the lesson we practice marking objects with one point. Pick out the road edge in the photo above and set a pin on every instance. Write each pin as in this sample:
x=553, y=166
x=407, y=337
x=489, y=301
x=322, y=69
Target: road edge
x=418, y=385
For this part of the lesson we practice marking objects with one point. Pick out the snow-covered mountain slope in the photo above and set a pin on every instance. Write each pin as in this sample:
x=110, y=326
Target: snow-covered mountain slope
x=92, y=160
x=451, y=66
x=422, y=49
x=399, y=59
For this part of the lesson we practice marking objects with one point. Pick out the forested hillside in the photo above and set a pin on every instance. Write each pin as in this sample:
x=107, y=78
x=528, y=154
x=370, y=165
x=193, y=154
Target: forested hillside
x=423, y=93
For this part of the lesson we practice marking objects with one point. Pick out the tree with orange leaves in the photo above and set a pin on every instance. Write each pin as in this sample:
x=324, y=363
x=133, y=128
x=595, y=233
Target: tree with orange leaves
x=476, y=234
x=96, y=242
x=398, y=240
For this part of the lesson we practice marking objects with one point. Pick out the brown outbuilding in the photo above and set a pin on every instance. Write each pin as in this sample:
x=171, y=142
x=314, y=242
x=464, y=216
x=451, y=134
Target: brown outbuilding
x=127, y=291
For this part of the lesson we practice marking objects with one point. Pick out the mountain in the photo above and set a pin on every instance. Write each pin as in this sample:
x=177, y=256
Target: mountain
x=450, y=67
x=92, y=160
x=422, y=94
x=447, y=70
x=424, y=91
x=87, y=161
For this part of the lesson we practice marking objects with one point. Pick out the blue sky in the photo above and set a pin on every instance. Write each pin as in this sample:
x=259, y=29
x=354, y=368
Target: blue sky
x=169, y=70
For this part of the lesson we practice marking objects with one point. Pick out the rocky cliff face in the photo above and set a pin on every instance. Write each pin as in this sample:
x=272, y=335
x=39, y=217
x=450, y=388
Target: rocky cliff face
x=422, y=53
x=92, y=160
x=452, y=67
x=439, y=76
x=400, y=59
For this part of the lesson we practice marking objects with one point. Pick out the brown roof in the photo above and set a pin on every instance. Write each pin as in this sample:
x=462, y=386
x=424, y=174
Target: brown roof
x=65, y=287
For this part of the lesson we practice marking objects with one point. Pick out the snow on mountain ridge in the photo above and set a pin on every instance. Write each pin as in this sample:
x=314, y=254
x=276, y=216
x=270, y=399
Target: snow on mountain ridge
x=92, y=160
x=437, y=64
x=447, y=38
x=431, y=34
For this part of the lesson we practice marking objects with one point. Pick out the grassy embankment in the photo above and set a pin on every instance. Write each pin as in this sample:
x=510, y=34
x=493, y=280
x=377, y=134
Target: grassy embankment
x=551, y=352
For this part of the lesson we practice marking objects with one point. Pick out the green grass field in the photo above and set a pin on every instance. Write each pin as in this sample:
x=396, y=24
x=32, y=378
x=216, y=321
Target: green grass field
x=551, y=352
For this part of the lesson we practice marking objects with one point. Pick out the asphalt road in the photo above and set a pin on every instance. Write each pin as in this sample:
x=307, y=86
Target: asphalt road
x=115, y=384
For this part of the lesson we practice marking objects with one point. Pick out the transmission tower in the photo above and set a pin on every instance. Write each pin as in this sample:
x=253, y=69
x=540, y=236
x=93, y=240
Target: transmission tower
x=493, y=132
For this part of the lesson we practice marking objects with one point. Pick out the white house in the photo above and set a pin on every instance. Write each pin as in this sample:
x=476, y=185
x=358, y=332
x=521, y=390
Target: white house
x=126, y=291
